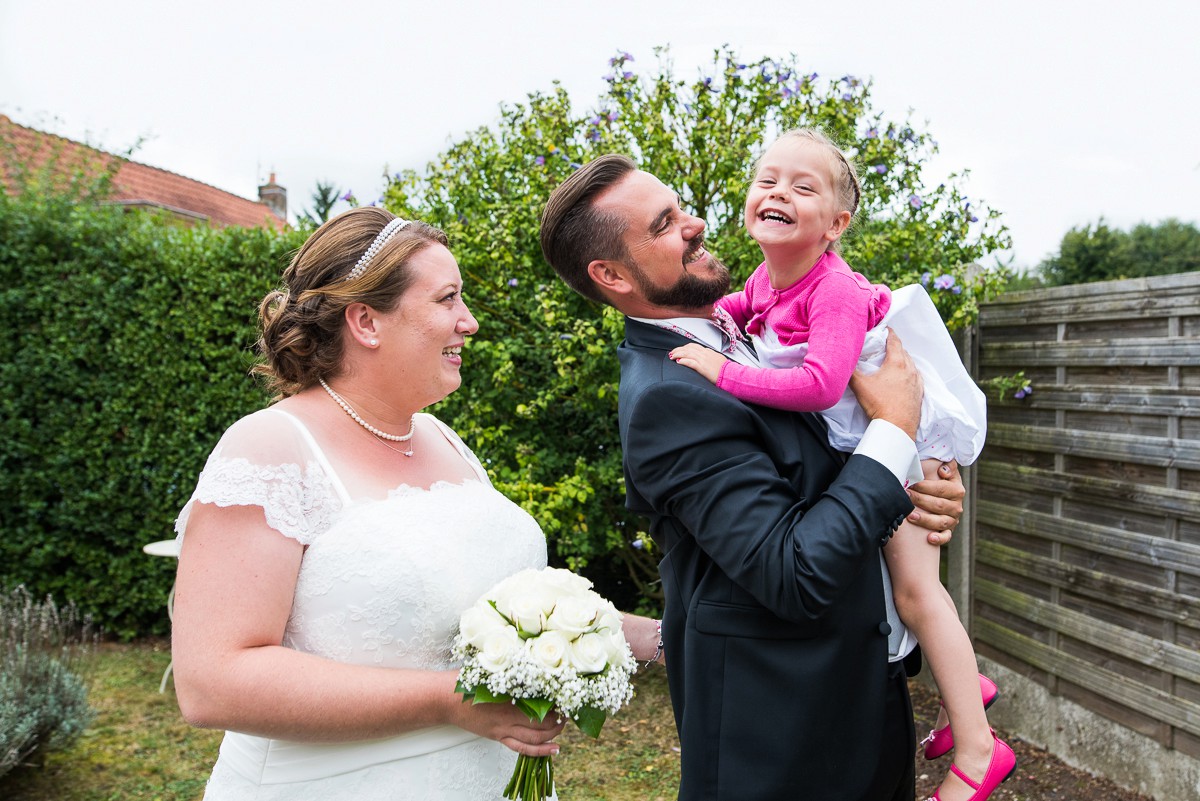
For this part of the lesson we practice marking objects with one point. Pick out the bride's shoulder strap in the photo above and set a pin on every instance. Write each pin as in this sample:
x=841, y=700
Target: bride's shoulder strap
x=467, y=454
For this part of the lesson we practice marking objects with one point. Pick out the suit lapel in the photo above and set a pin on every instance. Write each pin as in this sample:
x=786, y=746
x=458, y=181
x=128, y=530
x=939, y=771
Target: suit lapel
x=650, y=337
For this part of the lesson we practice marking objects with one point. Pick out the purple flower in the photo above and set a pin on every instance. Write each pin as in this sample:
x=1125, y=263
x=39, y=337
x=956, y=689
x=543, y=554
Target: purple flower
x=594, y=120
x=627, y=75
x=872, y=133
x=786, y=92
x=612, y=116
x=708, y=81
x=610, y=77
x=881, y=168
x=540, y=160
x=944, y=282
x=925, y=276
x=512, y=282
x=638, y=544
x=914, y=201
x=973, y=218
x=626, y=56
x=594, y=136
x=847, y=96
x=349, y=196
x=1020, y=393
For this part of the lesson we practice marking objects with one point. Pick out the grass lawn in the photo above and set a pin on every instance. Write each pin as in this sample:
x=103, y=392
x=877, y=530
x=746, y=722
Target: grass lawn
x=139, y=748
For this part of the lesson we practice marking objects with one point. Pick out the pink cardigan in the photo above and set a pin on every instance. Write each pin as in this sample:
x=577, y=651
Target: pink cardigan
x=831, y=308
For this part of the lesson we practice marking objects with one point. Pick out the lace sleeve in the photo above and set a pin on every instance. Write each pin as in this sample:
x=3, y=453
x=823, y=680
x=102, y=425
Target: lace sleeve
x=295, y=493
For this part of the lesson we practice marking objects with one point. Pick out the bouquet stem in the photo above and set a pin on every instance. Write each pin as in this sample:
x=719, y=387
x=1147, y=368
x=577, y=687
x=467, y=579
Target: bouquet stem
x=532, y=779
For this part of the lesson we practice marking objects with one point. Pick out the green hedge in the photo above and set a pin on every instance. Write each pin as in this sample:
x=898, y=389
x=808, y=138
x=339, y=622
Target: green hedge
x=125, y=353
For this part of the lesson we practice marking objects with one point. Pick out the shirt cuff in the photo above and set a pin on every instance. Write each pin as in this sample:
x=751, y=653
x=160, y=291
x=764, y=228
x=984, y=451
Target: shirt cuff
x=891, y=447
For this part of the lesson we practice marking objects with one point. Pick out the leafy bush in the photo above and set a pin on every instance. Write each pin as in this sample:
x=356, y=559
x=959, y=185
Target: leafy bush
x=1101, y=253
x=43, y=702
x=539, y=398
x=124, y=355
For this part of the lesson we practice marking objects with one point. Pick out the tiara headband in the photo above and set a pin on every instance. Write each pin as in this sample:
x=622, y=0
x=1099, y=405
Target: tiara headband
x=388, y=231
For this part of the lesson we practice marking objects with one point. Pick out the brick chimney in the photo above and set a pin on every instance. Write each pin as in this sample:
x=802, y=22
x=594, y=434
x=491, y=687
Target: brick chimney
x=274, y=197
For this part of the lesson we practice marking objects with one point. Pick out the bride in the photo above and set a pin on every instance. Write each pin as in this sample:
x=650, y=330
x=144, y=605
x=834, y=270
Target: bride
x=334, y=537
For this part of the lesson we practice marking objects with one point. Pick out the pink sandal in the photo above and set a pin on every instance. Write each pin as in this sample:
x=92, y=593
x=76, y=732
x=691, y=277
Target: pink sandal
x=941, y=740
x=1000, y=767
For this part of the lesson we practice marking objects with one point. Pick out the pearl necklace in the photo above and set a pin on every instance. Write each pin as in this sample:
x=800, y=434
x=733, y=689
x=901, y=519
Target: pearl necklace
x=383, y=435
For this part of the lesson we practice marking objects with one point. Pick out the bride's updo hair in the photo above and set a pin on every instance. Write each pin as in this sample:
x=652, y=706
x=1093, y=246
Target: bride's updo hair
x=301, y=323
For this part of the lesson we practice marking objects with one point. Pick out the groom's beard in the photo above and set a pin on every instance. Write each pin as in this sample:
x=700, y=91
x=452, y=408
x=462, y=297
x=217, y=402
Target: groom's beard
x=691, y=291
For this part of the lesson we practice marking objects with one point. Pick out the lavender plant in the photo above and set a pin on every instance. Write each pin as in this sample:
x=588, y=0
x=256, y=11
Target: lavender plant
x=43, y=699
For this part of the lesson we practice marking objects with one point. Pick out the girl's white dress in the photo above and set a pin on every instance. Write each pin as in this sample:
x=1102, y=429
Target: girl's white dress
x=382, y=583
x=953, y=410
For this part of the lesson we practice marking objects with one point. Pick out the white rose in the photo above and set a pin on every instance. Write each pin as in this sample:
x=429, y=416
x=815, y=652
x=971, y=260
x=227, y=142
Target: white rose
x=617, y=648
x=572, y=615
x=506, y=590
x=479, y=621
x=590, y=653
x=609, y=619
x=498, y=648
x=528, y=611
x=549, y=649
x=564, y=582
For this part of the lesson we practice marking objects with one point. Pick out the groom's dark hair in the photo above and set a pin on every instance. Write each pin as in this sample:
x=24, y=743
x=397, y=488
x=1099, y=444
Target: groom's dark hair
x=574, y=233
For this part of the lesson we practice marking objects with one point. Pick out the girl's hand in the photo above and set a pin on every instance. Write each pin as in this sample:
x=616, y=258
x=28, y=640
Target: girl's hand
x=705, y=361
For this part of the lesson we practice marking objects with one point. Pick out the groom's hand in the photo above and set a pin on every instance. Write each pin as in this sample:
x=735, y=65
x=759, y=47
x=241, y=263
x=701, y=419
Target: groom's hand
x=893, y=392
x=938, y=500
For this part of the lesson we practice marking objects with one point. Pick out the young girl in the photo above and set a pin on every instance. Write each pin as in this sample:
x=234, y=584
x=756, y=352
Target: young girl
x=815, y=319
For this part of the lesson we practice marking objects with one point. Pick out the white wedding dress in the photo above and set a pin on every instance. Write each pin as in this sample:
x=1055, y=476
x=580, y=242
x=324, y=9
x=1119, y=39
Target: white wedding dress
x=382, y=583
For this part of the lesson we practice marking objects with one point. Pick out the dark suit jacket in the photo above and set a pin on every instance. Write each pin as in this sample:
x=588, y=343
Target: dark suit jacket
x=774, y=622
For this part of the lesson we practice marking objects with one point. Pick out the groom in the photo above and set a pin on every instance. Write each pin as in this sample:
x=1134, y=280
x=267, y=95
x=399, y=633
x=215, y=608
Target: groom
x=774, y=624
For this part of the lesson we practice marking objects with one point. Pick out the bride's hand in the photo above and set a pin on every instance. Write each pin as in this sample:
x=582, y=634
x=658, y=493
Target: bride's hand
x=510, y=726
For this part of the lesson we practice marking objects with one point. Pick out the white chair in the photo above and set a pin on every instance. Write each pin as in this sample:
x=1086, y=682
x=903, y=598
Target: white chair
x=165, y=548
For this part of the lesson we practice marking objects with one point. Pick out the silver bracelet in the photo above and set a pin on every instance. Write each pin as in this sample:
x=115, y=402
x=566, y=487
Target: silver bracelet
x=658, y=651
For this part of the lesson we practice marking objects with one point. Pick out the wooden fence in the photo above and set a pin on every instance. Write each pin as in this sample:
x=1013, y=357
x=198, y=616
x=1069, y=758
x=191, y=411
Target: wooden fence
x=1083, y=565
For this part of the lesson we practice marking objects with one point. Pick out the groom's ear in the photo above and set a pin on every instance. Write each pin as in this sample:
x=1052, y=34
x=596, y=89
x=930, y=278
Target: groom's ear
x=610, y=277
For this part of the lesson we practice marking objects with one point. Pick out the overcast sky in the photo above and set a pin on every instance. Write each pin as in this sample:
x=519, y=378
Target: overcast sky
x=1064, y=111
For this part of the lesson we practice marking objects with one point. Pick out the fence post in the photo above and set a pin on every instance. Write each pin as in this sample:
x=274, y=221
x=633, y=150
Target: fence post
x=959, y=557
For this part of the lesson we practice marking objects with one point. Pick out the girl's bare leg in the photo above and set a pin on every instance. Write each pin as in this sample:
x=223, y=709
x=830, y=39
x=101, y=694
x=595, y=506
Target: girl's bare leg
x=927, y=609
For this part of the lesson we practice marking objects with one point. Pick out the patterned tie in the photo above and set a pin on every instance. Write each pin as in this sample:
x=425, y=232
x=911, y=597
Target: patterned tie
x=722, y=320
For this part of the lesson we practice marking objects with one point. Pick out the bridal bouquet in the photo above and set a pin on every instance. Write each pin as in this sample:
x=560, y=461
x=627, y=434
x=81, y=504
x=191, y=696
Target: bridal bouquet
x=543, y=640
